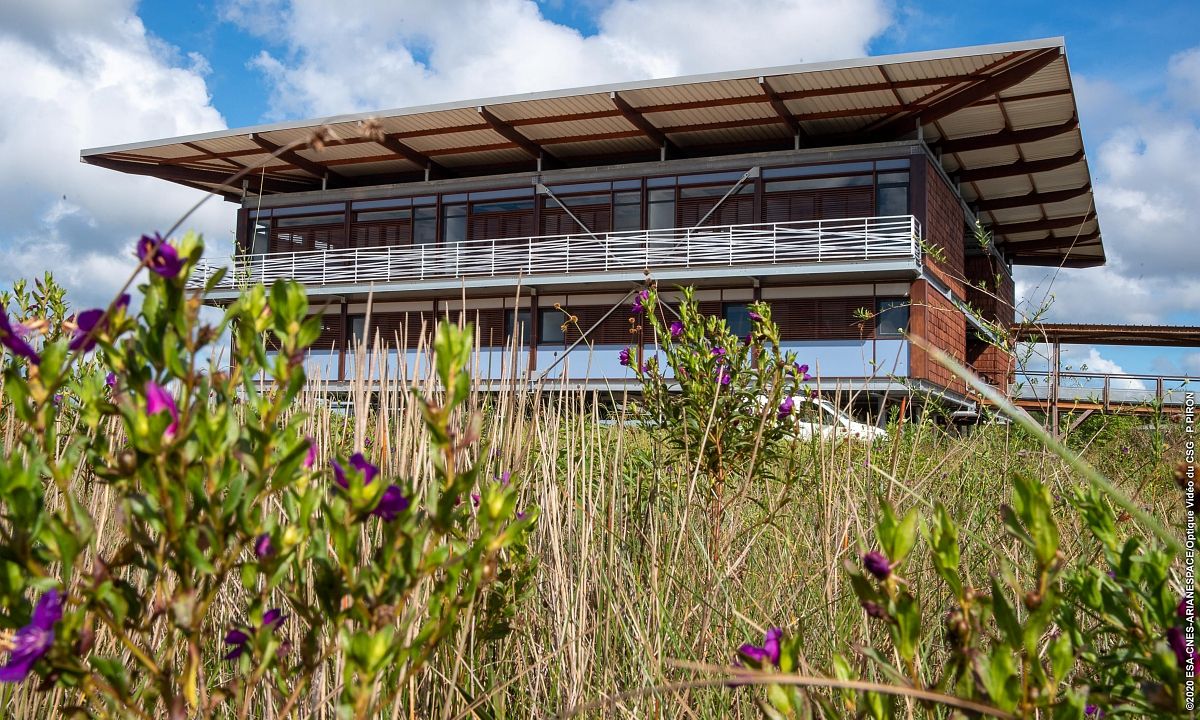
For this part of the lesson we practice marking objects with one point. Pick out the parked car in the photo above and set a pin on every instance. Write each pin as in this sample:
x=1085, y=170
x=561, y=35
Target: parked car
x=818, y=415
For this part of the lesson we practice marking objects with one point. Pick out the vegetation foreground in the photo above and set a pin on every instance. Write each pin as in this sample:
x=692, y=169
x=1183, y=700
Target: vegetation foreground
x=188, y=534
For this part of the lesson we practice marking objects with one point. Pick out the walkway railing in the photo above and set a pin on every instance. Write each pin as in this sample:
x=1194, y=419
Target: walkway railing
x=817, y=241
x=1104, y=390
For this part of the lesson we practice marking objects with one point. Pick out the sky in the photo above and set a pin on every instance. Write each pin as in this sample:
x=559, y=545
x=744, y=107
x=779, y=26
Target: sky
x=87, y=73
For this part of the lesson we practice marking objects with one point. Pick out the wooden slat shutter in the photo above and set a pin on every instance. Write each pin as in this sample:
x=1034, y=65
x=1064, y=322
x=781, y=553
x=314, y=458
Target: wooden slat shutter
x=737, y=210
x=854, y=202
x=822, y=318
x=315, y=237
x=497, y=225
x=382, y=234
x=555, y=220
x=789, y=206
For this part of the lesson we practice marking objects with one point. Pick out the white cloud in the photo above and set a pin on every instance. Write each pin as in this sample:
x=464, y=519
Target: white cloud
x=390, y=54
x=90, y=75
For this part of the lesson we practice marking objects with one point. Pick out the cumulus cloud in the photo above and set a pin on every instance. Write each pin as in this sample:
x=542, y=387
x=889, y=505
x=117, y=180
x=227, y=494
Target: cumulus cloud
x=390, y=54
x=90, y=75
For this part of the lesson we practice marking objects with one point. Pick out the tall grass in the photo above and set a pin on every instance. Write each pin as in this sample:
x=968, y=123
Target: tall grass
x=627, y=597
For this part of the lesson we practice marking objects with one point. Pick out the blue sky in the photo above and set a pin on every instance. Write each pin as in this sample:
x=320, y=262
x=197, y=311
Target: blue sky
x=102, y=72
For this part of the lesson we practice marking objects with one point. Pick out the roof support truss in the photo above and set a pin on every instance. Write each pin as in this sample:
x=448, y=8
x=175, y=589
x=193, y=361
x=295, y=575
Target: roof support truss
x=534, y=150
x=1032, y=198
x=295, y=159
x=780, y=107
x=1022, y=167
x=639, y=121
x=195, y=175
x=417, y=158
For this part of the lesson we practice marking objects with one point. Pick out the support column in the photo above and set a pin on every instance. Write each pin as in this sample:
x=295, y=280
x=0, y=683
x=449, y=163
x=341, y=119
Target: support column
x=345, y=343
x=1054, y=370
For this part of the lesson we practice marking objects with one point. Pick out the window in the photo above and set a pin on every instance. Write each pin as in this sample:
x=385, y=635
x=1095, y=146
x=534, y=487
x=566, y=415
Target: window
x=550, y=326
x=357, y=328
x=891, y=194
x=891, y=317
x=454, y=223
x=737, y=317
x=627, y=211
x=424, y=225
x=662, y=209
x=520, y=319
x=258, y=242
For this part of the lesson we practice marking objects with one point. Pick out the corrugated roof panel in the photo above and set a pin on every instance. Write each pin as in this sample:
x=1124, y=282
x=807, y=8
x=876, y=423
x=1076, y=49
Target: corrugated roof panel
x=1063, y=178
x=576, y=128
x=1050, y=78
x=1003, y=187
x=1039, y=111
x=706, y=116
x=1069, y=208
x=487, y=157
x=1008, y=216
x=1058, y=146
x=731, y=135
x=473, y=138
x=976, y=120
x=604, y=147
x=342, y=151
x=692, y=92
x=827, y=79
x=555, y=107
x=822, y=104
x=991, y=156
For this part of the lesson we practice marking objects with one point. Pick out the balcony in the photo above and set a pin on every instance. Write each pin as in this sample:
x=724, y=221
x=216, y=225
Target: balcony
x=786, y=248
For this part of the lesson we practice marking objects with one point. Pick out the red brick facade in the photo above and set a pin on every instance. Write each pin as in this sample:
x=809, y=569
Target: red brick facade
x=937, y=321
x=944, y=229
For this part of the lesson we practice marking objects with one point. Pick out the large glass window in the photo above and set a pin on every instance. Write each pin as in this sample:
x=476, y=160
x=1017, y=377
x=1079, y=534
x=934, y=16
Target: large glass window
x=891, y=317
x=662, y=209
x=424, y=225
x=737, y=317
x=259, y=241
x=891, y=194
x=454, y=223
x=627, y=211
x=517, y=321
x=550, y=326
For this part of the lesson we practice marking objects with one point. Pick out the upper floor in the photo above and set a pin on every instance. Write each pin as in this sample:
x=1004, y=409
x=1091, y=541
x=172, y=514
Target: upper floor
x=808, y=168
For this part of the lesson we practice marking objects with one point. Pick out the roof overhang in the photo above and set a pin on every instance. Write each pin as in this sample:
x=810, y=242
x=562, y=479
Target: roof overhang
x=1002, y=119
x=1090, y=334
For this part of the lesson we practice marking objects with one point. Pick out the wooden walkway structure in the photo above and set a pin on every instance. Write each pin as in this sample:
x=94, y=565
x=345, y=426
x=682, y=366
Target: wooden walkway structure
x=1056, y=391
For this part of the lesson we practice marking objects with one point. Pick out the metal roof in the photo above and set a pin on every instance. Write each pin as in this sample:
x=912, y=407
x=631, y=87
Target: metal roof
x=1002, y=119
x=1092, y=334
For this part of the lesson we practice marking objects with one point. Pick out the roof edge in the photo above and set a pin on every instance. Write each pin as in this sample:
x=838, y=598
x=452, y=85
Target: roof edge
x=893, y=59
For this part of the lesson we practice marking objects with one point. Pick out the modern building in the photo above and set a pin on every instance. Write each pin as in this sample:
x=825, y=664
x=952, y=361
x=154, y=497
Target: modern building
x=826, y=189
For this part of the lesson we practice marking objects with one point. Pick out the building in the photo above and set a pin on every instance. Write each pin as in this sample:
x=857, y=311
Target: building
x=825, y=189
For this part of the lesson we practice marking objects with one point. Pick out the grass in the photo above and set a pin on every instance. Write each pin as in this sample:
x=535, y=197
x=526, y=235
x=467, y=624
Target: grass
x=631, y=616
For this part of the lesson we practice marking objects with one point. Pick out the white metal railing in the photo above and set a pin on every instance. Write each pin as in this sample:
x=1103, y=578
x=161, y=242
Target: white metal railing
x=808, y=241
x=1104, y=389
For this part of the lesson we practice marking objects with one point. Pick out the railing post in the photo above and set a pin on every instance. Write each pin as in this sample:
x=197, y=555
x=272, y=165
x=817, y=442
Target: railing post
x=493, y=256
x=568, y=241
x=422, y=261
x=866, y=238
x=1158, y=388
x=1107, y=397
x=820, y=239
x=607, y=249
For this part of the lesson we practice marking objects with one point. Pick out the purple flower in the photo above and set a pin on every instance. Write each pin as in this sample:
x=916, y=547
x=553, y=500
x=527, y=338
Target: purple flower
x=877, y=564
x=239, y=638
x=263, y=547
x=310, y=458
x=623, y=357
x=638, y=308
x=676, y=330
x=90, y=323
x=359, y=463
x=755, y=316
x=504, y=478
x=111, y=380
x=874, y=610
x=56, y=400
x=366, y=442
x=159, y=255
x=718, y=352
x=645, y=368
x=11, y=338
x=1093, y=711
x=475, y=499
x=34, y=640
x=725, y=377
x=802, y=371
x=786, y=407
x=391, y=504
x=768, y=652
x=1178, y=645
x=158, y=400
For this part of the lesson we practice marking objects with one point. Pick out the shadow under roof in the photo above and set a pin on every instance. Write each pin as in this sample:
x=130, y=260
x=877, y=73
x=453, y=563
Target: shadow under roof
x=1002, y=119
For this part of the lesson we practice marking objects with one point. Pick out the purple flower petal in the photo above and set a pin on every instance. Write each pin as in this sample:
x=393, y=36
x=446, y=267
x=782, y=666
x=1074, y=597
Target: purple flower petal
x=676, y=329
x=263, y=548
x=159, y=255
x=624, y=357
x=311, y=458
x=753, y=652
x=391, y=504
x=159, y=400
x=12, y=339
x=877, y=564
x=786, y=407
x=111, y=380
x=273, y=618
x=85, y=323
x=771, y=645
x=34, y=640
x=361, y=464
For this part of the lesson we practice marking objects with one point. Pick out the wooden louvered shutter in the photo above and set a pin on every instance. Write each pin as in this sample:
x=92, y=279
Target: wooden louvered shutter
x=737, y=210
x=853, y=202
x=790, y=206
x=597, y=218
x=382, y=234
x=315, y=237
x=497, y=225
